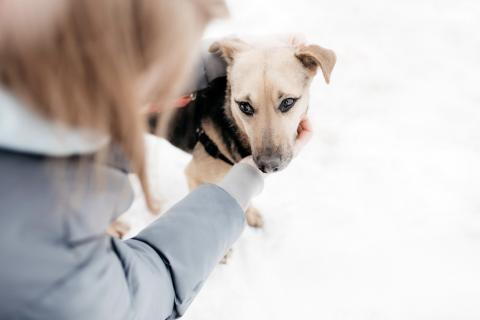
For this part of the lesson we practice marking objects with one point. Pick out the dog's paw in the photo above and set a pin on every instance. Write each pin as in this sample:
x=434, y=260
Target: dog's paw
x=254, y=218
x=118, y=229
x=226, y=257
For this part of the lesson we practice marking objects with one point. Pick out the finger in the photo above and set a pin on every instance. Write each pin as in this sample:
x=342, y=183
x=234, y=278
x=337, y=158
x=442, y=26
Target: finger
x=305, y=130
x=305, y=136
x=305, y=133
x=305, y=124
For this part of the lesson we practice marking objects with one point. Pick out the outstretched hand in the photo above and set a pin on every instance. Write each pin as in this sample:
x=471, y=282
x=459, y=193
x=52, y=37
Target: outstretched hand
x=304, y=134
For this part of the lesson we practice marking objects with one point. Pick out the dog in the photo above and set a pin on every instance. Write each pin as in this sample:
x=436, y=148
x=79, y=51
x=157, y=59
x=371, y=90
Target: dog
x=255, y=110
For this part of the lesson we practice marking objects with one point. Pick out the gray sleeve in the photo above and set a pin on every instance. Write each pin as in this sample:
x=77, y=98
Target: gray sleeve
x=243, y=182
x=187, y=242
x=79, y=272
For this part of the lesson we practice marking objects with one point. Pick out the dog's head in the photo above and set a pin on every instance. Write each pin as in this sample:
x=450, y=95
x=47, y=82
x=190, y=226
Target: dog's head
x=269, y=93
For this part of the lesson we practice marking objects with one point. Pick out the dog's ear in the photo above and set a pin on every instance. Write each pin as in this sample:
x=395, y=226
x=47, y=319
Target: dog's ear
x=313, y=57
x=228, y=48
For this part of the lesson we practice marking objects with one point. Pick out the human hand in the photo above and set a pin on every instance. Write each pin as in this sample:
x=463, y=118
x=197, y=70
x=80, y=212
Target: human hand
x=304, y=134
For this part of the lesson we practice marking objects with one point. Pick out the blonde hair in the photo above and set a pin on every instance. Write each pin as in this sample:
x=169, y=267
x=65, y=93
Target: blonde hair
x=101, y=60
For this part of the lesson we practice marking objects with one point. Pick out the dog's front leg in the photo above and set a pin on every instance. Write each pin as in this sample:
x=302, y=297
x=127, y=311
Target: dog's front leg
x=204, y=169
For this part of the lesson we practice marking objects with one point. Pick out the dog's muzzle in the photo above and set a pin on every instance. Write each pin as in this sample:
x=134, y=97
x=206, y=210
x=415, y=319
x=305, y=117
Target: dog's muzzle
x=271, y=163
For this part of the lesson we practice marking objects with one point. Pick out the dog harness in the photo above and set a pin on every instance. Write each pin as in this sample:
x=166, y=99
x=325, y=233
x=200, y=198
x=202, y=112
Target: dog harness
x=210, y=146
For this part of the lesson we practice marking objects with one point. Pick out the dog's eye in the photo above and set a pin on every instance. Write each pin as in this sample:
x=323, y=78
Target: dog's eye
x=287, y=104
x=246, y=108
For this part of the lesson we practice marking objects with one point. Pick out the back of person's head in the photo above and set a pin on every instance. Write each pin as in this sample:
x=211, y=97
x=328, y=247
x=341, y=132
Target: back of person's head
x=92, y=64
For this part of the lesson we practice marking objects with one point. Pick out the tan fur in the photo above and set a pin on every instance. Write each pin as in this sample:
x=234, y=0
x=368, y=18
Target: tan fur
x=263, y=75
x=314, y=56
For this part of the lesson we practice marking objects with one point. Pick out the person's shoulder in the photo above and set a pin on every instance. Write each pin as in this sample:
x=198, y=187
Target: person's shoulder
x=63, y=199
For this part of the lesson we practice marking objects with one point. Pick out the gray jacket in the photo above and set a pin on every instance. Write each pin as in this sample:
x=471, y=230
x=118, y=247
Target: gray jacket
x=57, y=262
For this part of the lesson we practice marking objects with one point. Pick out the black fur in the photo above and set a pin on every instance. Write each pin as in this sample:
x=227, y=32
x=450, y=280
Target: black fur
x=209, y=104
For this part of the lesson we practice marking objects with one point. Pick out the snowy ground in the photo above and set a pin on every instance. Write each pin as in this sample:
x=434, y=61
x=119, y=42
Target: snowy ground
x=380, y=216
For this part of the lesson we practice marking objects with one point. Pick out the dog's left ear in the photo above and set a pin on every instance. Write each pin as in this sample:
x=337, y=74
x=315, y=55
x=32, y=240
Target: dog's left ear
x=313, y=56
x=228, y=48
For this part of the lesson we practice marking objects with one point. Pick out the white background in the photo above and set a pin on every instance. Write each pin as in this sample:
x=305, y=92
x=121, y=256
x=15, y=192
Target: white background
x=379, y=218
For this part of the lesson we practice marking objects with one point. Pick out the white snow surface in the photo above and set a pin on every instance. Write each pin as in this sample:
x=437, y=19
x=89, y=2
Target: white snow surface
x=379, y=217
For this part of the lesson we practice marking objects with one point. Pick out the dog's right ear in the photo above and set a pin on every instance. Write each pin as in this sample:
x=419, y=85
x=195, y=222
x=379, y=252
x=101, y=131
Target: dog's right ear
x=228, y=48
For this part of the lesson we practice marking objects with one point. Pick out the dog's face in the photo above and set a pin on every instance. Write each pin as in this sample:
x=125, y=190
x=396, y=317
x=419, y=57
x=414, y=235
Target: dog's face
x=270, y=94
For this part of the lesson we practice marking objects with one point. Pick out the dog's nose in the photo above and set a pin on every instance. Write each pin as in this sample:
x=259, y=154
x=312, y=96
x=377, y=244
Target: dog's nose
x=268, y=163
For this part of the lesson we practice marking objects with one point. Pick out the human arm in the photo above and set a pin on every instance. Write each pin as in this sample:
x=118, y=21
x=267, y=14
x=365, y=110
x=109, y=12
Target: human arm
x=171, y=258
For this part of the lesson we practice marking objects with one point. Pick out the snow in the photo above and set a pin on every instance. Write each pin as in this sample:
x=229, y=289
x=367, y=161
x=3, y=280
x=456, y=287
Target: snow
x=379, y=218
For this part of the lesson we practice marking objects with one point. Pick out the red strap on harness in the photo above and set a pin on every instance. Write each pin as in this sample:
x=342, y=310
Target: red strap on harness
x=183, y=101
x=178, y=103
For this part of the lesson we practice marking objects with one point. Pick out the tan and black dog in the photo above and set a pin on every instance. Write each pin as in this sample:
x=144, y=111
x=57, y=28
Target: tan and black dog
x=254, y=110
